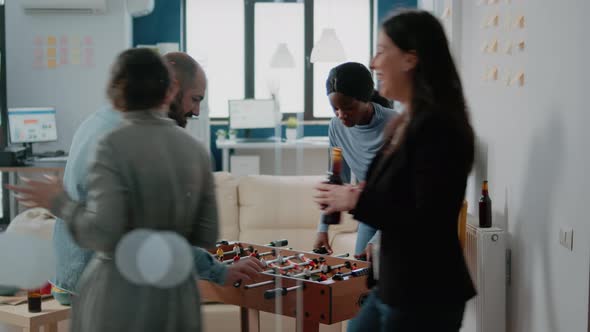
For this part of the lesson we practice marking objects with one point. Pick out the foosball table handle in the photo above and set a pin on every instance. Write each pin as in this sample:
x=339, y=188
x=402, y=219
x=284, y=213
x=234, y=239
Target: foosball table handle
x=272, y=293
x=279, y=243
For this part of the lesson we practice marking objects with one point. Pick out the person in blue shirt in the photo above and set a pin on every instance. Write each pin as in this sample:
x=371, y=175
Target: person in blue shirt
x=361, y=116
x=71, y=259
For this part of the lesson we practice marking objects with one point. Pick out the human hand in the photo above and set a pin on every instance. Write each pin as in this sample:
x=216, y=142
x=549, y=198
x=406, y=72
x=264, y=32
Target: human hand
x=323, y=240
x=333, y=198
x=34, y=193
x=244, y=270
x=369, y=252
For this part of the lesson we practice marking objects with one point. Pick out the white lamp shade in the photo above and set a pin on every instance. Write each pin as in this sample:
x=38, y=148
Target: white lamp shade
x=328, y=48
x=282, y=58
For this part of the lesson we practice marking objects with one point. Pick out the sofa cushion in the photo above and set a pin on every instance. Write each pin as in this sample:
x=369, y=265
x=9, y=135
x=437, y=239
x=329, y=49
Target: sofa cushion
x=269, y=203
x=226, y=189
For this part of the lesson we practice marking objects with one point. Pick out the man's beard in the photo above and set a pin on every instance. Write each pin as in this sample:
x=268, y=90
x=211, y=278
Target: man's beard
x=176, y=113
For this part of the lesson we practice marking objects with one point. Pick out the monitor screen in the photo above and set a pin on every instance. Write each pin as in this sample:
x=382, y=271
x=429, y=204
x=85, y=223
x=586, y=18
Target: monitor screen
x=252, y=113
x=31, y=125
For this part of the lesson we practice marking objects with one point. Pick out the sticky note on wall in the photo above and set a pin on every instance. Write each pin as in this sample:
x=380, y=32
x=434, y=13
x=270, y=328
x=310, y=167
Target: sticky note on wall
x=51, y=52
x=520, y=78
x=520, y=21
x=493, y=48
x=494, y=21
x=493, y=74
x=51, y=41
x=51, y=63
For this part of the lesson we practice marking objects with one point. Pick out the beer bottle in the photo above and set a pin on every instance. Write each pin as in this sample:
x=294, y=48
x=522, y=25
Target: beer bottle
x=485, y=207
x=334, y=178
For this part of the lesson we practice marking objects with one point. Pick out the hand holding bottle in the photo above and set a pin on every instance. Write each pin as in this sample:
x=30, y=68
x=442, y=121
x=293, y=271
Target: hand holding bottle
x=323, y=240
x=334, y=198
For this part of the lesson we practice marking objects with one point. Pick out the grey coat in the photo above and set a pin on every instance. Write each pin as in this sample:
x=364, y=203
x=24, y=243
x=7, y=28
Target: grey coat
x=150, y=174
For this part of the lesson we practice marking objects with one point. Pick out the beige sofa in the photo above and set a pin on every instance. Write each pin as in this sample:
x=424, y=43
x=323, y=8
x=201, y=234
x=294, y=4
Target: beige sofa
x=259, y=209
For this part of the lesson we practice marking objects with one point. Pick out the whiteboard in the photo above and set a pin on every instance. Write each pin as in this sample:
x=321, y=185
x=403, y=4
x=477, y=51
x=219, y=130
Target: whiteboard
x=252, y=113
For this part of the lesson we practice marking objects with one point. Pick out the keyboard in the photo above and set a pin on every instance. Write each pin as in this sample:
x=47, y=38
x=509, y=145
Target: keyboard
x=52, y=159
x=259, y=140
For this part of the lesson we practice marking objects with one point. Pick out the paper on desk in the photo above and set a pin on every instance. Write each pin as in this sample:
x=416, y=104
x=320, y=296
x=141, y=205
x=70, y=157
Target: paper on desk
x=13, y=300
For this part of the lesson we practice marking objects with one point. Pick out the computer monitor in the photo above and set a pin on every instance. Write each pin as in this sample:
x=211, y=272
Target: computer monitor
x=32, y=125
x=252, y=113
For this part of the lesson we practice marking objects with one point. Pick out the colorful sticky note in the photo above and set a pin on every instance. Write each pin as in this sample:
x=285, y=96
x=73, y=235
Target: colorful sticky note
x=493, y=46
x=446, y=13
x=493, y=74
x=63, y=56
x=63, y=60
x=89, y=57
x=494, y=20
x=51, y=63
x=51, y=41
x=38, y=41
x=75, y=60
x=51, y=52
x=75, y=41
x=520, y=21
x=88, y=41
x=520, y=78
x=63, y=41
x=508, y=80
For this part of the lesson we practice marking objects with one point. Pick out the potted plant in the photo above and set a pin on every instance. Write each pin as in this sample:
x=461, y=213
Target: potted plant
x=233, y=134
x=221, y=134
x=291, y=131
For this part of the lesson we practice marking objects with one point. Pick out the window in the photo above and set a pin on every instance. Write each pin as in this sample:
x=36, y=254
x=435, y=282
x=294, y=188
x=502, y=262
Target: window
x=279, y=23
x=355, y=35
x=235, y=40
x=215, y=38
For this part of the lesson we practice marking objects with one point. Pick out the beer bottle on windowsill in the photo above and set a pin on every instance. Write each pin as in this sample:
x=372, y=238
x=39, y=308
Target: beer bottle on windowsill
x=485, y=207
x=334, y=178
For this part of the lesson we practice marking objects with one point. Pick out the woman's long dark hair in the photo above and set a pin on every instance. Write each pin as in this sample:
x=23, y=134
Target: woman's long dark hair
x=436, y=85
x=354, y=80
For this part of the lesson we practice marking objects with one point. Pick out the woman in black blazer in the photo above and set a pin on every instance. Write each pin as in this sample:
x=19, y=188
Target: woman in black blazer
x=416, y=183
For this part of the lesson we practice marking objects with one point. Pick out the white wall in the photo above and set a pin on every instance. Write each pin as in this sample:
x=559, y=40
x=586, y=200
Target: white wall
x=75, y=91
x=537, y=157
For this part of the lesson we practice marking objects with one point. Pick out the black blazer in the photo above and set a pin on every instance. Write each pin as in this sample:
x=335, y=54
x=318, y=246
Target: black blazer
x=414, y=196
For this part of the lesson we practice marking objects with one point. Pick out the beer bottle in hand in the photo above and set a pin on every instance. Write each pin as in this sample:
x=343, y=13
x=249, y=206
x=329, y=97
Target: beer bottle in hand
x=334, y=178
x=485, y=207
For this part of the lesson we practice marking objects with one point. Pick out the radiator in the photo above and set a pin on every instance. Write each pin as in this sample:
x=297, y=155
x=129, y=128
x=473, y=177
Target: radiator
x=485, y=254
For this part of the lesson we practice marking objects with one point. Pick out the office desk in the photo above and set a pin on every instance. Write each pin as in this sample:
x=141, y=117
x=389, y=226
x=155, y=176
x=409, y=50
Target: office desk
x=36, y=168
x=317, y=143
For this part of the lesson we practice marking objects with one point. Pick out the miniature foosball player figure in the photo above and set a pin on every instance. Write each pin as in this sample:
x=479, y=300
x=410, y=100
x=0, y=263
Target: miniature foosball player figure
x=237, y=250
x=255, y=253
x=220, y=254
x=236, y=258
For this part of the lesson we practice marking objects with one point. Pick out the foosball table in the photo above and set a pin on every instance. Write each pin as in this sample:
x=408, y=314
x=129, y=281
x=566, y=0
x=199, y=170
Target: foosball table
x=313, y=288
